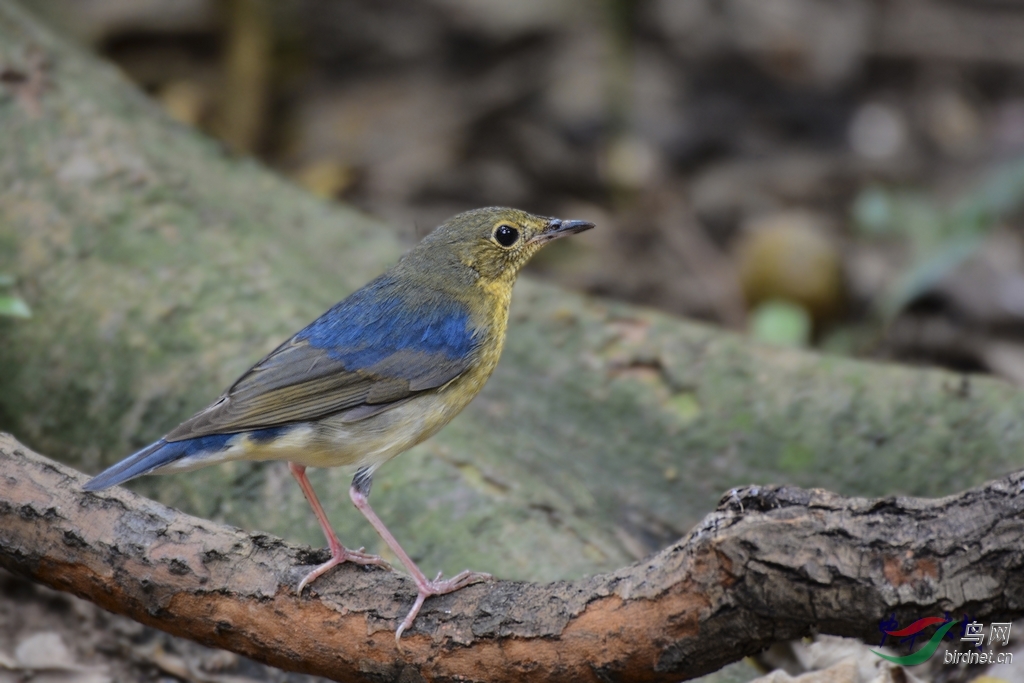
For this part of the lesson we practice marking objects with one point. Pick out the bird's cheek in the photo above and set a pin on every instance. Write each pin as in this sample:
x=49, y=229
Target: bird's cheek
x=527, y=253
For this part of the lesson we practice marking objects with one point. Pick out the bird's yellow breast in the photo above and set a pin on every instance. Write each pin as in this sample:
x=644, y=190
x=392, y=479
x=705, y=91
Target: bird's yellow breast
x=372, y=441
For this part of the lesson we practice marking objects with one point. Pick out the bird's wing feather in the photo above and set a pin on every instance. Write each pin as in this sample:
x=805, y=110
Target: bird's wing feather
x=370, y=352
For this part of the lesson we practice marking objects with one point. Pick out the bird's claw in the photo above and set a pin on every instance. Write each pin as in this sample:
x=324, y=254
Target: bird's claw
x=360, y=557
x=340, y=556
x=438, y=587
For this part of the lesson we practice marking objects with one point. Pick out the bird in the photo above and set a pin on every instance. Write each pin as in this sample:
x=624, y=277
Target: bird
x=379, y=372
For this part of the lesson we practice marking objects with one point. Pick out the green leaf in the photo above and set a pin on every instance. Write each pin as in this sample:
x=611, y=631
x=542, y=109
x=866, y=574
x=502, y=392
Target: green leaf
x=781, y=322
x=13, y=307
x=873, y=212
x=941, y=234
x=926, y=272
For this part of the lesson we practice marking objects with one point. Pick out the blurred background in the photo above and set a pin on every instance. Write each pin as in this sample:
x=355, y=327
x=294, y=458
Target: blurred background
x=842, y=174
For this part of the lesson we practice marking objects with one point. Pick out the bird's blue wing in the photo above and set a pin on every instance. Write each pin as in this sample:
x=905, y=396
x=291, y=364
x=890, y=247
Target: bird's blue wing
x=369, y=352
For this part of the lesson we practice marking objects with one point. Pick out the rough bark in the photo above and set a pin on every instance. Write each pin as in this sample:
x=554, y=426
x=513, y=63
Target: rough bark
x=770, y=563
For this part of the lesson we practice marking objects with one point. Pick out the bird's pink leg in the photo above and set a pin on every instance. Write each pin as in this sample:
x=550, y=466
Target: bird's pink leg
x=424, y=586
x=339, y=553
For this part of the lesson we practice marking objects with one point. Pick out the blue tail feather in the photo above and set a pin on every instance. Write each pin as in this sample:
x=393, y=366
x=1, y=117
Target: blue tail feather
x=154, y=456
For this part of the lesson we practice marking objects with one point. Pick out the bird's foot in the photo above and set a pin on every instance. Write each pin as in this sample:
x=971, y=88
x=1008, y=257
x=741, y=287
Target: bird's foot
x=438, y=587
x=340, y=555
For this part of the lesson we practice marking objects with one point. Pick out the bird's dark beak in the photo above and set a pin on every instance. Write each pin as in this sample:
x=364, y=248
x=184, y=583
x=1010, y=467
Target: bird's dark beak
x=558, y=228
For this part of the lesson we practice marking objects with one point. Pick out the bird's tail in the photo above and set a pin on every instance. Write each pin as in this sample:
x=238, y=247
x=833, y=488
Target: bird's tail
x=151, y=457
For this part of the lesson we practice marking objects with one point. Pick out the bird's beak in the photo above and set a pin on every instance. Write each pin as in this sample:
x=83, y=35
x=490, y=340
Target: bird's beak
x=558, y=228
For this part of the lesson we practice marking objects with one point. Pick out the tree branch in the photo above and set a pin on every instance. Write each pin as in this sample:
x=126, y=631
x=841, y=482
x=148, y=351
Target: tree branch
x=771, y=563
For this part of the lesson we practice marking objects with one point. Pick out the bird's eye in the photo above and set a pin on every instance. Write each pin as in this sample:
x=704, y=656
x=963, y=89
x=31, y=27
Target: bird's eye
x=506, y=235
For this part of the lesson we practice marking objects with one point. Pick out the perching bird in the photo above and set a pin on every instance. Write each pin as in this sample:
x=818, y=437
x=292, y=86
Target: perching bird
x=375, y=375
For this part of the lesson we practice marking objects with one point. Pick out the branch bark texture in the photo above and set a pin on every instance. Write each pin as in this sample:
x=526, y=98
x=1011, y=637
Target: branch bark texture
x=770, y=563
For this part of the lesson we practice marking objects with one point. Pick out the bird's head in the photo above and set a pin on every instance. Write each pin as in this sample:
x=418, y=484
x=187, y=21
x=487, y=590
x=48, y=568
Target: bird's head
x=496, y=242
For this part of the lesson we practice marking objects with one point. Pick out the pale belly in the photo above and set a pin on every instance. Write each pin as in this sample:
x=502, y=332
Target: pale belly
x=374, y=440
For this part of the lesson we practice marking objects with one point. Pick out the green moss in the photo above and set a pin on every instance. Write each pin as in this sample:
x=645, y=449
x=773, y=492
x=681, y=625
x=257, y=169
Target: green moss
x=796, y=458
